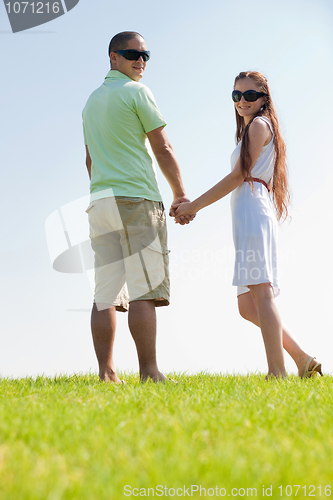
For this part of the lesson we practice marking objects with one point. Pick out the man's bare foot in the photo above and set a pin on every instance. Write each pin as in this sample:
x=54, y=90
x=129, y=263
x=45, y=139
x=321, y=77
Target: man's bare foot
x=110, y=376
x=155, y=376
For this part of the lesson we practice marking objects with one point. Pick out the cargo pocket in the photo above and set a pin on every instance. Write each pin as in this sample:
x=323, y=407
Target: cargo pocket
x=156, y=246
x=91, y=205
x=155, y=256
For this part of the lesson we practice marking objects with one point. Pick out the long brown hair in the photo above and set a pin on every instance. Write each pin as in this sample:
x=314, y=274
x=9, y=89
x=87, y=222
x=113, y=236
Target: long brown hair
x=280, y=189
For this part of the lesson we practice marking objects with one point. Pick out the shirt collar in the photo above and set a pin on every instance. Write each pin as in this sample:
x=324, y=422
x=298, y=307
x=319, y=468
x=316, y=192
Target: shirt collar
x=114, y=74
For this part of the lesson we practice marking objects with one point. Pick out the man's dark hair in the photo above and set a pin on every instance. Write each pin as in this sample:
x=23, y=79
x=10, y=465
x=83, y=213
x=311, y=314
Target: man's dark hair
x=119, y=41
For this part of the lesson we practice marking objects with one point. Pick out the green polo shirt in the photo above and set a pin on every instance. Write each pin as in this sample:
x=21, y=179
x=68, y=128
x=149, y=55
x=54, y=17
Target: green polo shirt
x=116, y=119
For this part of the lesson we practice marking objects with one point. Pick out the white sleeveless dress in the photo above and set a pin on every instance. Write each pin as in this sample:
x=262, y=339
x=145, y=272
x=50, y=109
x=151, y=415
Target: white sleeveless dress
x=254, y=224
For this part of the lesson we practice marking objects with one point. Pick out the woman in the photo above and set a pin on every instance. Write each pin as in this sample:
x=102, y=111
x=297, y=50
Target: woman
x=259, y=184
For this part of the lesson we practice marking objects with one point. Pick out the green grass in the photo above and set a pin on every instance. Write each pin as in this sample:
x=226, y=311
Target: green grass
x=77, y=438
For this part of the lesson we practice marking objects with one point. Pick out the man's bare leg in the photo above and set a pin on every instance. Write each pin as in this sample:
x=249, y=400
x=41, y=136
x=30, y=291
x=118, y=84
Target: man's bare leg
x=103, y=328
x=142, y=325
x=248, y=311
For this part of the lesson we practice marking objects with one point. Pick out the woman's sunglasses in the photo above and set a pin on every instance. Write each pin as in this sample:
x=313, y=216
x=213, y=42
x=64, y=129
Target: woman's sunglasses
x=134, y=55
x=249, y=95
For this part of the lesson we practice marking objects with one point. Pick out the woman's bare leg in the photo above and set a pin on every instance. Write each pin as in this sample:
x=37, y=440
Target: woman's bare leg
x=271, y=327
x=248, y=311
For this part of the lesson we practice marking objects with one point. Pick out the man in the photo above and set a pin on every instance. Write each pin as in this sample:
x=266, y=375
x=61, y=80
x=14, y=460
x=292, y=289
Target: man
x=126, y=213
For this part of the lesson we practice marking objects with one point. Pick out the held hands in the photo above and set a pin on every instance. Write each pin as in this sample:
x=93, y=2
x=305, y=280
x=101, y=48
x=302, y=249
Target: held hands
x=181, y=211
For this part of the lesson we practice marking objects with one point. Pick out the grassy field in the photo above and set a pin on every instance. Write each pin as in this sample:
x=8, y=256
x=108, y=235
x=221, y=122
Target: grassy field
x=77, y=438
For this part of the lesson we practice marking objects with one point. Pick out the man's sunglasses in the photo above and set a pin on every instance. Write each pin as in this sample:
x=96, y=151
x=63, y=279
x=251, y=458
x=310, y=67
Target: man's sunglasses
x=134, y=55
x=249, y=95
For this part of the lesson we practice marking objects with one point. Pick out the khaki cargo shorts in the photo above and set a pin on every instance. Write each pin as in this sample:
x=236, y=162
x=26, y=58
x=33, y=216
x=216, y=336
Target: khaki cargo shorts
x=129, y=239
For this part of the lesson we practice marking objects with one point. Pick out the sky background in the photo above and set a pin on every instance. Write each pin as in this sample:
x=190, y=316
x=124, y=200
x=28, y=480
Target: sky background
x=197, y=49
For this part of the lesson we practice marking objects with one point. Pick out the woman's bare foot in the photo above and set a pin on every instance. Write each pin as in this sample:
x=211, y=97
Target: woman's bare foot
x=272, y=376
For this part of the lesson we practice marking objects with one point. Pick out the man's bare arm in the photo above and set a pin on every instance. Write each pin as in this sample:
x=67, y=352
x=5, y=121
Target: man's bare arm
x=88, y=162
x=168, y=164
x=166, y=160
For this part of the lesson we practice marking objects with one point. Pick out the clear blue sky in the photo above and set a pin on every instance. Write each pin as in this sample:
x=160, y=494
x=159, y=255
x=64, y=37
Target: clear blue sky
x=47, y=74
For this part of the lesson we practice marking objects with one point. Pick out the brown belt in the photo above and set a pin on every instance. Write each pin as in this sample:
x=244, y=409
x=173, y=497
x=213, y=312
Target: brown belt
x=255, y=179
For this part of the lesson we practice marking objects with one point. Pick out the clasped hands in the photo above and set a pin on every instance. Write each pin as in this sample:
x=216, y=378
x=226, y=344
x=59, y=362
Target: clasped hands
x=181, y=211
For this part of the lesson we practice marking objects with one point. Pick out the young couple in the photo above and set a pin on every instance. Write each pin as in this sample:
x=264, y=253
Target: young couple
x=127, y=216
